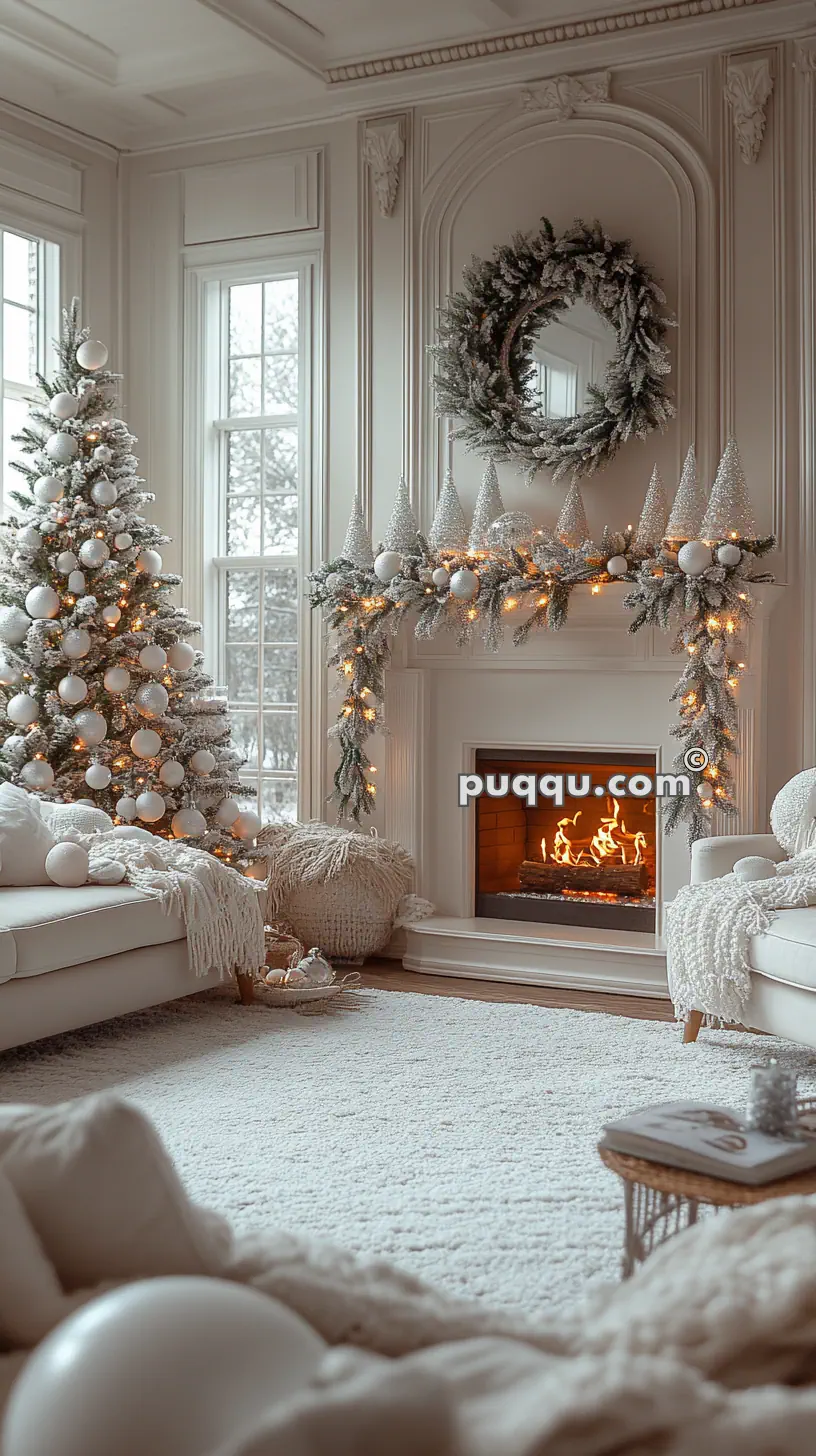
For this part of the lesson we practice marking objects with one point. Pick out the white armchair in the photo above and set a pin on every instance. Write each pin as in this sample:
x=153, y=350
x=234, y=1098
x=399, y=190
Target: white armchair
x=711, y=858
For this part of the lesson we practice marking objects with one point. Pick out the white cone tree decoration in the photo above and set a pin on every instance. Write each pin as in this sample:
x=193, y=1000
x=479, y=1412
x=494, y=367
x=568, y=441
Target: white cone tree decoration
x=489, y=506
x=652, y=524
x=689, y=507
x=402, y=531
x=357, y=547
x=571, y=527
x=730, y=514
x=109, y=673
x=449, y=530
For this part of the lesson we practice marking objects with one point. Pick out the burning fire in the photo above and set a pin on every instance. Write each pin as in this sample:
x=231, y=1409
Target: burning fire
x=610, y=842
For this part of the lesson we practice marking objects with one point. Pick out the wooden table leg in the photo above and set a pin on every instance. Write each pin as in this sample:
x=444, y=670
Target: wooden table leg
x=246, y=990
x=692, y=1027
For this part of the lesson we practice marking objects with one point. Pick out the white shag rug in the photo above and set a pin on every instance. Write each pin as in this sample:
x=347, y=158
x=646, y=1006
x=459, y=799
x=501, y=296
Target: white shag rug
x=455, y=1138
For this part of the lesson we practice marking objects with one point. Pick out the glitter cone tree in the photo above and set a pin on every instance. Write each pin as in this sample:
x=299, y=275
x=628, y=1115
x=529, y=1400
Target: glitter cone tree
x=101, y=696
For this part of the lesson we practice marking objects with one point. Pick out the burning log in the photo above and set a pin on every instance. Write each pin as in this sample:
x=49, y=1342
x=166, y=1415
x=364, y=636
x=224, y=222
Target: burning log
x=610, y=879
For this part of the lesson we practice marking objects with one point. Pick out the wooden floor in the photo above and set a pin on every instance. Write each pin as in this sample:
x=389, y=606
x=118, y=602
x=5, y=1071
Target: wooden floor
x=385, y=975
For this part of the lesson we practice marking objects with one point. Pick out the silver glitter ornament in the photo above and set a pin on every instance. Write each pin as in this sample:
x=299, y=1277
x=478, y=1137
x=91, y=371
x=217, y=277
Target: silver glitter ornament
x=571, y=527
x=514, y=528
x=449, y=530
x=652, y=524
x=402, y=531
x=489, y=506
x=357, y=547
x=688, y=509
x=729, y=513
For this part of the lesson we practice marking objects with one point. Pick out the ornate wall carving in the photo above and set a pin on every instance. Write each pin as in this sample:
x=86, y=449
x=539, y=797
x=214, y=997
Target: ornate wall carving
x=748, y=87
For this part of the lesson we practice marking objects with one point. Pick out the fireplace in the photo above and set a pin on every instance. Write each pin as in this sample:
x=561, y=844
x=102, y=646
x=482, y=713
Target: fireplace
x=589, y=861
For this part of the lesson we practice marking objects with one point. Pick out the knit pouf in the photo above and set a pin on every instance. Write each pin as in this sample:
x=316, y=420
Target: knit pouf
x=794, y=811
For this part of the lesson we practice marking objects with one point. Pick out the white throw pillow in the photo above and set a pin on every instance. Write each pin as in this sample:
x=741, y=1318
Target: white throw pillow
x=84, y=818
x=24, y=838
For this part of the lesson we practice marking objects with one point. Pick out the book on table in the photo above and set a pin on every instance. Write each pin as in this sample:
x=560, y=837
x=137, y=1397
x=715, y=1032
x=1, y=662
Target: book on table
x=711, y=1140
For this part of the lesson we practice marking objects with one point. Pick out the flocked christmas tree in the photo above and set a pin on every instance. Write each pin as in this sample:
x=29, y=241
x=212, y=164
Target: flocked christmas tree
x=103, y=699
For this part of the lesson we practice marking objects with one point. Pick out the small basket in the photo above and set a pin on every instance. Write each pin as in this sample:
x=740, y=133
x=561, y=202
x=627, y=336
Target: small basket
x=287, y=996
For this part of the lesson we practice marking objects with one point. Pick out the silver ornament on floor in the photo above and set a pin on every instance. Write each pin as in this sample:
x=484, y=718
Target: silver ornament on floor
x=317, y=971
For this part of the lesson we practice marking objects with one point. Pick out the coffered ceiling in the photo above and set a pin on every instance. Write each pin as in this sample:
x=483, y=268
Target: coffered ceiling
x=140, y=73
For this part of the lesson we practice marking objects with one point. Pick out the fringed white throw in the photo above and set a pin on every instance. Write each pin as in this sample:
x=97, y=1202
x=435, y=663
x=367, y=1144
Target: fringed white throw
x=709, y=929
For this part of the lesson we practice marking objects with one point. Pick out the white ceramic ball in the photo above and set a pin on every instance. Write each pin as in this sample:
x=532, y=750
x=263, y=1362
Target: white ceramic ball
x=617, y=566
x=76, y=583
x=149, y=561
x=62, y=448
x=22, y=710
x=42, y=602
x=202, y=761
x=755, y=867
x=48, y=489
x=464, y=584
x=92, y=354
x=111, y=614
x=37, y=774
x=145, y=743
x=94, y=552
x=91, y=727
x=14, y=624
x=729, y=554
x=76, y=643
x=116, y=680
x=9, y=674
x=440, y=576
x=28, y=540
x=153, y=657
x=64, y=406
x=103, y=454
x=694, y=558
x=704, y=790
x=73, y=689
x=67, y=562
x=387, y=565
x=98, y=776
x=181, y=656
x=126, y=807
x=188, y=824
x=246, y=825
x=150, y=807
x=227, y=813
x=151, y=699
x=172, y=773
x=104, y=492
x=123, y=540
x=67, y=865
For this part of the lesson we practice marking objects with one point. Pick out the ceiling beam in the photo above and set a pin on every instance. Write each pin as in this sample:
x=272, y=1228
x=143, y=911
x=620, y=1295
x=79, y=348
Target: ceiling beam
x=278, y=27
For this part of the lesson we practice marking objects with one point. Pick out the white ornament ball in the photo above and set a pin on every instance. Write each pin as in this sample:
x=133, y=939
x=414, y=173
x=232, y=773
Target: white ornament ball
x=440, y=576
x=152, y=699
x=48, y=489
x=37, y=774
x=729, y=554
x=704, y=791
x=153, y=657
x=694, y=558
x=28, y=540
x=64, y=406
x=387, y=565
x=617, y=566
x=91, y=727
x=188, y=824
x=145, y=743
x=464, y=584
x=126, y=808
x=76, y=583
x=116, y=680
x=227, y=813
x=73, y=689
x=104, y=492
x=98, y=776
x=76, y=643
x=42, y=602
x=149, y=561
x=172, y=773
x=181, y=656
x=150, y=807
x=92, y=354
x=22, y=710
x=67, y=865
x=62, y=448
x=755, y=867
x=67, y=562
x=333, y=580
x=9, y=674
x=111, y=614
x=14, y=624
x=94, y=552
x=202, y=762
x=246, y=825
x=103, y=454
x=123, y=540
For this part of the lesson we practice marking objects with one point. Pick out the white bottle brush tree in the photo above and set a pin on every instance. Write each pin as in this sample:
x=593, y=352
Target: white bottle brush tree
x=101, y=697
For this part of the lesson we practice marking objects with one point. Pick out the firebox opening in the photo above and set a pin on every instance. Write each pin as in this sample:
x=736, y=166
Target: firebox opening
x=591, y=861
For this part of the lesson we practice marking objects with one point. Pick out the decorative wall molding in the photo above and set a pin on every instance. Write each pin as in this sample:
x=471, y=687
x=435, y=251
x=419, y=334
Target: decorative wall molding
x=806, y=57
x=564, y=94
x=748, y=87
x=383, y=150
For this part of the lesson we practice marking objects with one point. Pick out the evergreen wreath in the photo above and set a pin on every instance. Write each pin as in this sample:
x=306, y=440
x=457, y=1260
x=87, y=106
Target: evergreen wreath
x=485, y=335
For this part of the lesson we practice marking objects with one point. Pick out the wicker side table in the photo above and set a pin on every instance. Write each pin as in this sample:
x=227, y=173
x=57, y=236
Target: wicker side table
x=660, y=1201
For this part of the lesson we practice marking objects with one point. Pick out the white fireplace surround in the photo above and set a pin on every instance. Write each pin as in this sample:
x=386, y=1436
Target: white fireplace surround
x=591, y=686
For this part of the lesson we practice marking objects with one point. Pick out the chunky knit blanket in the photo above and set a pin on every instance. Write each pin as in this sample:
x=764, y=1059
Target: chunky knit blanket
x=709, y=928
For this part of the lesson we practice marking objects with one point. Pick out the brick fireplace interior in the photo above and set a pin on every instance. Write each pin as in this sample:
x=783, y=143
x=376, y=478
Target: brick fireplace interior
x=590, y=862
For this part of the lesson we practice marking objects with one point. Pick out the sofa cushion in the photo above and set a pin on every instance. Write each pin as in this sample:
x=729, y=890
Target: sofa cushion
x=8, y=955
x=25, y=838
x=787, y=950
x=54, y=927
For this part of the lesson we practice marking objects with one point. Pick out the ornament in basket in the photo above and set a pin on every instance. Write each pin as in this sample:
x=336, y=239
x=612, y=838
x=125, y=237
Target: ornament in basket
x=311, y=979
x=283, y=949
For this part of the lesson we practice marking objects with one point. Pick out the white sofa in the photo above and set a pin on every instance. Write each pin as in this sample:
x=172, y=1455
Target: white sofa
x=73, y=957
x=783, y=959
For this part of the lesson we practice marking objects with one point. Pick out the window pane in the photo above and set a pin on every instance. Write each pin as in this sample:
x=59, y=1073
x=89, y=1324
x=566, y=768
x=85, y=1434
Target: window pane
x=280, y=525
x=243, y=606
x=245, y=387
x=280, y=449
x=244, y=728
x=280, y=605
x=279, y=800
x=243, y=525
x=19, y=344
x=280, y=740
x=20, y=269
x=245, y=316
x=242, y=674
x=280, y=675
x=244, y=461
x=281, y=385
x=281, y=314
x=14, y=417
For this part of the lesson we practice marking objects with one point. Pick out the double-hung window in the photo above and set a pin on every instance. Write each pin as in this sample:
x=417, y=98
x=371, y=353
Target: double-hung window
x=29, y=288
